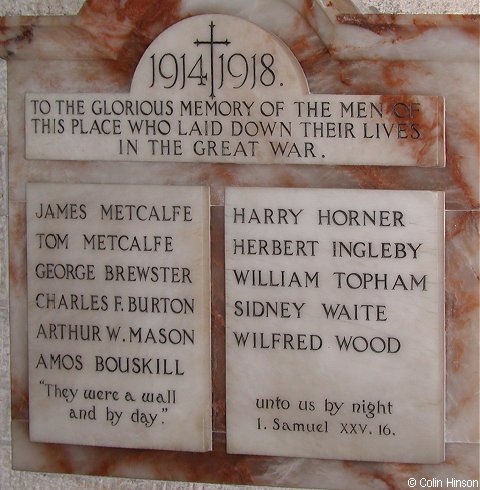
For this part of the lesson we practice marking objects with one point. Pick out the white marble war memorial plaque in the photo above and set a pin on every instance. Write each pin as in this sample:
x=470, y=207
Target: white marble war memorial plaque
x=227, y=233
x=335, y=314
x=216, y=88
x=119, y=315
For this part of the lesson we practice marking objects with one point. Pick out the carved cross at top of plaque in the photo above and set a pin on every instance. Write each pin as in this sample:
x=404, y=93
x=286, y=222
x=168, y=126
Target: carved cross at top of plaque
x=211, y=42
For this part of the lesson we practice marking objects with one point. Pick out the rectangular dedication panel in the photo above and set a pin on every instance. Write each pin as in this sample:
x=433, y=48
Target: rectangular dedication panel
x=118, y=315
x=311, y=129
x=335, y=324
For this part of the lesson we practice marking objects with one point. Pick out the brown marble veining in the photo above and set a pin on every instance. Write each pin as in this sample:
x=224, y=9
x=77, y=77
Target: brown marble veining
x=462, y=325
x=97, y=51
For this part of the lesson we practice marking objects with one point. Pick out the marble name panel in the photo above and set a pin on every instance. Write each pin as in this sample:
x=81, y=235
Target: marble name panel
x=335, y=324
x=217, y=88
x=119, y=315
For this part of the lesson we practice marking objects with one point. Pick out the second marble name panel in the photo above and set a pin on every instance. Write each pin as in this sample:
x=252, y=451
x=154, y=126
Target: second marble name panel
x=335, y=324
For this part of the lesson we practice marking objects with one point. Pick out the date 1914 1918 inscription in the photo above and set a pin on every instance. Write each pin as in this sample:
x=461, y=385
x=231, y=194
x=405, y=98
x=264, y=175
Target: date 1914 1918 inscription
x=237, y=70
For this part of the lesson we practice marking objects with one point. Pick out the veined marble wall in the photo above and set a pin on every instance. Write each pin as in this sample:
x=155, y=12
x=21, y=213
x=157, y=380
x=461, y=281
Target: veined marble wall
x=10, y=479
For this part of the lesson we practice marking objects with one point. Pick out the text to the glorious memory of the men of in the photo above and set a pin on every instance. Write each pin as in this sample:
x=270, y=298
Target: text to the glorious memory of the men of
x=335, y=323
x=119, y=315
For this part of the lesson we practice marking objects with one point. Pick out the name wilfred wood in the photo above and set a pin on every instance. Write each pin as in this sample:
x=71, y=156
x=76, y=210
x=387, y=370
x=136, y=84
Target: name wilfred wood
x=313, y=342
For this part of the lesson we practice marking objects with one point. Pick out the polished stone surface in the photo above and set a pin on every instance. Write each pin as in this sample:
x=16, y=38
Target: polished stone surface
x=243, y=100
x=119, y=316
x=403, y=57
x=334, y=323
